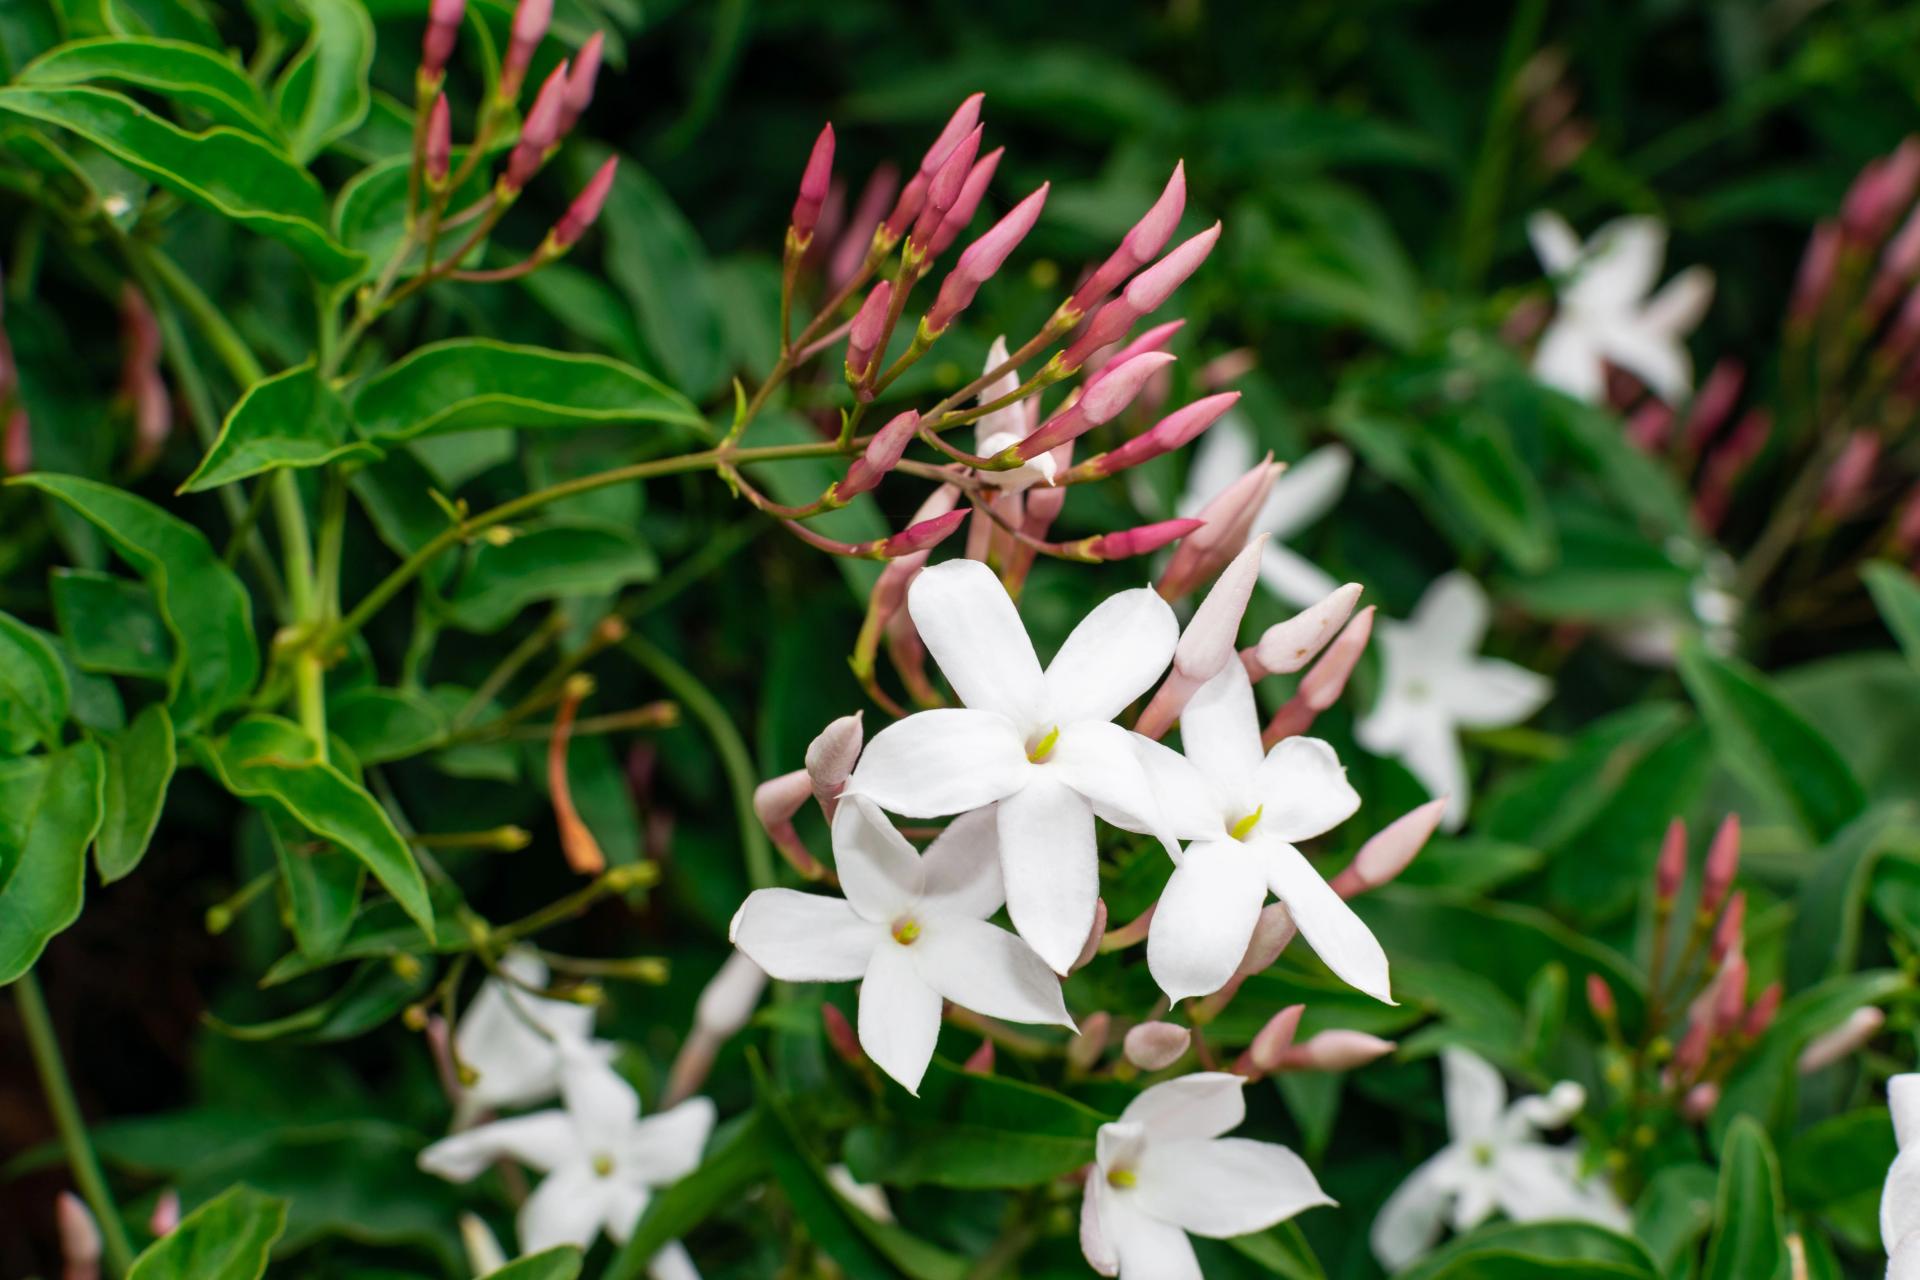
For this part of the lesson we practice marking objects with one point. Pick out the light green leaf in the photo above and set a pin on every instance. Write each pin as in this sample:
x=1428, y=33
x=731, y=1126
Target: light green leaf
x=186, y=73
x=1750, y=1230
x=470, y=383
x=546, y=564
x=562, y=1263
x=385, y=724
x=292, y=419
x=323, y=93
x=234, y=174
x=49, y=811
x=111, y=624
x=1537, y=1251
x=1898, y=596
x=140, y=761
x=33, y=688
x=227, y=1238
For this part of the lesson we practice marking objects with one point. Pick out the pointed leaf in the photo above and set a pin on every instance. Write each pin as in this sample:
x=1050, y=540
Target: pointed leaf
x=176, y=69
x=111, y=624
x=1750, y=1230
x=49, y=812
x=1898, y=595
x=292, y=419
x=140, y=761
x=34, y=693
x=227, y=1238
x=323, y=93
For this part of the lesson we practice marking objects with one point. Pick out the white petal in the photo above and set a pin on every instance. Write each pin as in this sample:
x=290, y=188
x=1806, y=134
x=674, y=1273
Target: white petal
x=869, y=1198
x=1410, y=1222
x=515, y=1064
x=962, y=868
x=1305, y=491
x=1112, y=657
x=879, y=871
x=1476, y=1096
x=601, y=1104
x=1302, y=790
x=1223, y=455
x=1149, y=1249
x=567, y=1208
x=804, y=937
x=1899, y=1200
x=1903, y=1100
x=1903, y=1265
x=1188, y=805
x=1223, y=1187
x=667, y=1147
x=672, y=1263
x=1206, y=915
x=1294, y=578
x=1103, y=763
x=1568, y=360
x=542, y=1141
x=1432, y=754
x=1554, y=242
x=934, y=763
x=1622, y=261
x=1491, y=693
x=899, y=1016
x=1451, y=617
x=1657, y=359
x=971, y=628
x=1338, y=936
x=1002, y=427
x=1220, y=733
x=1051, y=867
x=1681, y=303
x=1536, y=1183
x=1093, y=1236
x=984, y=968
x=1204, y=1104
x=625, y=1202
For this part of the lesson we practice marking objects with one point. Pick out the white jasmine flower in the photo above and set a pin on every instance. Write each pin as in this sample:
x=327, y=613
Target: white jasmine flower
x=1495, y=1162
x=1605, y=315
x=1305, y=491
x=1434, y=683
x=1246, y=808
x=1163, y=1170
x=912, y=929
x=600, y=1158
x=870, y=1198
x=500, y=1036
x=1040, y=744
x=1900, y=1198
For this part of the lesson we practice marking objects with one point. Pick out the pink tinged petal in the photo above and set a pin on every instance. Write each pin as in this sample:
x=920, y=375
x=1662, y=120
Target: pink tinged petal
x=1410, y=1222
x=1224, y=1187
x=1149, y=1249
x=568, y=1207
x=1204, y=1104
x=1222, y=459
x=1205, y=918
x=1288, y=646
x=984, y=968
x=833, y=753
x=1212, y=637
x=1112, y=657
x=1568, y=361
x=667, y=1147
x=804, y=937
x=545, y=1140
x=1307, y=490
x=1293, y=578
x=971, y=628
x=1103, y=763
x=1094, y=1243
x=879, y=871
x=1051, y=866
x=1155, y=1046
x=899, y=1015
x=935, y=763
x=1492, y=693
x=1188, y=804
x=962, y=868
x=1220, y=733
x=1554, y=242
x=1302, y=790
x=1476, y=1096
x=1338, y=936
x=1156, y=284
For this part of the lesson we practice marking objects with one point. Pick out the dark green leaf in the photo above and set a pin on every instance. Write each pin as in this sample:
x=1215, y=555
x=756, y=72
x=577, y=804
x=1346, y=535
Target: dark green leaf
x=385, y=724
x=1477, y=473
x=111, y=624
x=657, y=260
x=562, y=1263
x=1750, y=1231
x=1537, y=1251
x=323, y=883
x=1825, y=941
x=292, y=419
x=227, y=1238
x=1898, y=596
x=376, y=993
x=186, y=73
x=736, y=1161
x=323, y=93
x=139, y=764
x=49, y=812
x=1837, y=1168
x=553, y=563
x=33, y=688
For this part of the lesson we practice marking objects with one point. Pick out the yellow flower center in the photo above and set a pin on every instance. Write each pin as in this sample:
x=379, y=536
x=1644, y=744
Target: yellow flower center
x=906, y=930
x=1040, y=750
x=1244, y=828
x=1121, y=1178
x=602, y=1164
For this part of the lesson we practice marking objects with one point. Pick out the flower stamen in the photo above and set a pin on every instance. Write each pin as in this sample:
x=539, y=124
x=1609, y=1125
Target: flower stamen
x=1121, y=1178
x=906, y=931
x=1244, y=827
x=1040, y=750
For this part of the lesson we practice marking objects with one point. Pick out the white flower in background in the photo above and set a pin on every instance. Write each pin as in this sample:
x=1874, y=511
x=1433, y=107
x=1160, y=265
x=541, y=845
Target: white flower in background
x=500, y=1036
x=912, y=929
x=1041, y=744
x=1252, y=806
x=1605, y=315
x=870, y=1198
x=485, y=1255
x=600, y=1158
x=1495, y=1162
x=1305, y=491
x=1163, y=1170
x=1900, y=1198
x=1434, y=683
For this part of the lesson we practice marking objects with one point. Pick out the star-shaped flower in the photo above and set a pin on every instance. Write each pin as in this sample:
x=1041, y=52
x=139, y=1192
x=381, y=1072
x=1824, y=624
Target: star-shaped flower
x=1039, y=744
x=1900, y=1197
x=511, y=1039
x=1434, y=683
x=1605, y=316
x=1163, y=1170
x=1495, y=1162
x=912, y=929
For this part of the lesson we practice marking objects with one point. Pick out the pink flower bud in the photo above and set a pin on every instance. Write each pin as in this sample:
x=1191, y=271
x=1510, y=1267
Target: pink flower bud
x=1671, y=869
x=1228, y=368
x=729, y=997
x=1271, y=1042
x=775, y=801
x=943, y=191
x=1843, y=1041
x=1760, y=1015
x=831, y=757
x=1898, y=267
x=578, y=94
x=1136, y=541
x=1154, y=1046
x=1085, y=1049
x=1177, y=430
x=79, y=1237
x=1883, y=190
x=1714, y=403
x=814, y=184
x=972, y=192
x=1324, y=682
x=1600, y=998
x=1147, y=291
x=16, y=451
x=841, y=1038
x=1730, y=994
x=926, y=535
x=1389, y=851
x=1285, y=647
x=980, y=1061
x=869, y=330
x=586, y=206
x=1726, y=464
x=1271, y=934
x=1338, y=1051
x=861, y=226
x=980, y=260
x=1700, y=1102
x=539, y=132
x=1094, y=935
x=1208, y=643
x=1154, y=339
x=1102, y=399
x=1691, y=1056
x=437, y=149
x=913, y=196
x=884, y=451
x=1815, y=275
x=1723, y=860
x=529, y=28
x=1650, y=425
x=166, y=1210
x=1852, y=472
x=1226, y=523
x=1147, y=237
x=443, y=32
x=1728, y=934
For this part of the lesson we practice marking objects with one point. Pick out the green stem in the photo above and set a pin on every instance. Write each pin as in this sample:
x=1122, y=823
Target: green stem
x=72, y=1126
x=1488, y=183
x=296, y=547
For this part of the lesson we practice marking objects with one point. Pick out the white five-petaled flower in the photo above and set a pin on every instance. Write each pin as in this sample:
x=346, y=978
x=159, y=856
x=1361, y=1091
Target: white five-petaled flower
x=511, y=1039
x=600, y=1158
x=1163, y=1170
x=1900, y=1197
x=1434, y=683
x=1494, y=1161
x=1605, y=315
x=1304, y=492
x=912, y=928
x=1041, y=745
x=1243, y=810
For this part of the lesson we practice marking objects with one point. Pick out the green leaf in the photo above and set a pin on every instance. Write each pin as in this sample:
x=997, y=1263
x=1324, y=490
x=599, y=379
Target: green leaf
x=140, y=761
x=292, y=419
x=1282, y=1250
x=1898, y=596
x=658, y=262
x=176, y=69
x=1825, y=940
x=1537, y=1251
x=323, y=93
x=736, y=1161
x=470, y=383
x=274, y=763
x=111, y=624
x=385, y=724
x=562, y=1263
x=323, y=883
x=33, y=688
x=1780, y=756
x=1674, y=1214
x=556, y=562
x=203, y=604
x=1476, y=472
x=234, y=174
x=1837, y=1168
x=373, y=996
x=227, y=1238
x=1750, y=1231
x=49, y=811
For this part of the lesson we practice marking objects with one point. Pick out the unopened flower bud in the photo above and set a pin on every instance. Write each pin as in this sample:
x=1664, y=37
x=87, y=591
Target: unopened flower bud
x=1700, y=1102
x=1091, y=947
x=972, y=192
x=918, y=538
x=1671, y=869
x=1691, y=1056
x=1760, y=1014
x=1154, y=1046
x=1137, y=541
x=1175, y=431
x=980, y=260
x=729, y=998
x=1843, y=1041
x=1713, y=404
x=578, y=95
x=1852, y=472
x=1103, y=399
x=1208, y=643
x=16, y=450
x=1084, y=1050
x=858, y=240
x=1600, y=999
x=1226, y=523
x=1815, y=276
x=1389, y=851
x=166, y=1214
x=1324, y=682
x=1137, y=248
x=437, y=149
x=530, y=21
x=775, y=801
x=1728, y=934
x=443, y=31
x=582, y=851
x=1271, y=1042
x=815, y=181
x=831, y=757
x=868, y=331
x=943, y=190
x=1141, y=297
x=538, y=134
x=1723, y=860
x=484, y=1254
x=913, y=196
x=1883, y=190
x=585, y=208
x=1338, y=1050
x=1285, y=647
x=841, y=1037
x=980, y=1061
x=1730, y=994
x=883, y=453
x=79, y=1238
